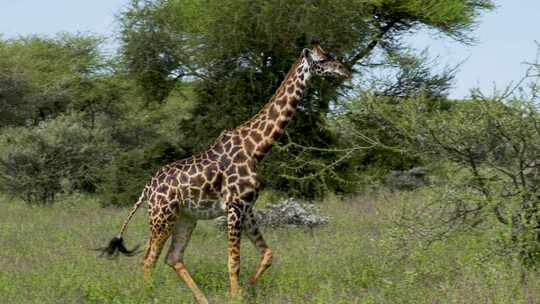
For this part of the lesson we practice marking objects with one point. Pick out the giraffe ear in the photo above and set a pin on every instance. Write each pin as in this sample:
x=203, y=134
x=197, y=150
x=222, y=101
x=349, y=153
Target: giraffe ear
x=307, y=54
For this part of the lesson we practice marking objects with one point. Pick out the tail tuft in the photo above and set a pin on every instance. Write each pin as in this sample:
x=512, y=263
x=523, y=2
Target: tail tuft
x=115, y=246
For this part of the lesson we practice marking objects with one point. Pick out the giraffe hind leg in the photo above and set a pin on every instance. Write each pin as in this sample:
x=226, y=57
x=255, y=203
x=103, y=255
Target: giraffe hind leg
x=253, y=233
x=159, y=233
x=175, y=256
x=234, y=232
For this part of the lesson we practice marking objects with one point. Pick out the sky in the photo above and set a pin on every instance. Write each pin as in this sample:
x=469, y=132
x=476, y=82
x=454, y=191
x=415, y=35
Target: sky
x=505, y=37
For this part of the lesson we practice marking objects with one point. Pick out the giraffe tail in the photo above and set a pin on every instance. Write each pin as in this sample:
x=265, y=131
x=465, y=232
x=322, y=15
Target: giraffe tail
x=116, y=244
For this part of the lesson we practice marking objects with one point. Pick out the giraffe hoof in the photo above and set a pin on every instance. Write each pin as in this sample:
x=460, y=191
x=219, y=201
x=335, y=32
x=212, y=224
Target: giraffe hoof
x=238, y=295
x=202, y=300
x=248, y=285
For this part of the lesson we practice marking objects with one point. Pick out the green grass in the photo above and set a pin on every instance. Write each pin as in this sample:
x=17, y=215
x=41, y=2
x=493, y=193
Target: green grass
x=46, y=257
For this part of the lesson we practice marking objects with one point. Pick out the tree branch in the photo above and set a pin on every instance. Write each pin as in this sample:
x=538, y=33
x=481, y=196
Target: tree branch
x=377, y=37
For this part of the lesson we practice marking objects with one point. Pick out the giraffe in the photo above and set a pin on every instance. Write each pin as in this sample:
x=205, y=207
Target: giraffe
x=222, y=181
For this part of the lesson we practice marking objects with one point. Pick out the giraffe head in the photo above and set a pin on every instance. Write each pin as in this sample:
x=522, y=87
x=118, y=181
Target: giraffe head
x=323, y=64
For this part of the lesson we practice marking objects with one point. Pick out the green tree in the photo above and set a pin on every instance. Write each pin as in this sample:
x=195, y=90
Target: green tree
x=237, y=52
x=44, y=77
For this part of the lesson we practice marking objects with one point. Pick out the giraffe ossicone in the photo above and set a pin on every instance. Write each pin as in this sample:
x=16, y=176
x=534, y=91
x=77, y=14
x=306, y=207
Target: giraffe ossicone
x=222, y=180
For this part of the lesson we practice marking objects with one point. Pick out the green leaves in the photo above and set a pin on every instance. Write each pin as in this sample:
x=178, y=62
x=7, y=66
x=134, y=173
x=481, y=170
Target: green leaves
x=486, y=151
x=237, y=52
x=43, y=77
x=58, y=156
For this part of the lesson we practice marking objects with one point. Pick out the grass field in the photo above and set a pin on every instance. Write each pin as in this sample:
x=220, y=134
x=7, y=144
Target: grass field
x=45, y=257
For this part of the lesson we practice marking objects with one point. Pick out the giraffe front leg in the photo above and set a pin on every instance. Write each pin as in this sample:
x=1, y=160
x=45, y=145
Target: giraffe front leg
x=234, y=227
x=253, y=233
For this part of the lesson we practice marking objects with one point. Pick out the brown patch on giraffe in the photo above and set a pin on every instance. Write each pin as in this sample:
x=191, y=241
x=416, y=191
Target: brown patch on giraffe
x=240, y=157
x=195, y=194
x=256, y=125
x=265, y=148
x=205, y=189
x=276, y=135
x=161, y=177
x=248, y=196
x=173, y=182
x=282, y=102
x=235, y=149
x=209, y=172
x=301, y=76
x=213, y=156
x=224, y=162
x=290, y=89
x=257, y=138
x=244, y=184
x=249, y=146
x=197, y=180
x=232, y=179
x=216, y=183
x=244, y=132
x=289, y=113
x=268, y=130
x=228, y=146
x=184, y=178
x=282, y=123
x=293, y=101
x=218, y=148
x=175, y=206
x=243, y=171
x=300, y=85
x=162, y=189
x=273, y=114
x=298, y=93
x=236, y=140
x=184, y=190
x=192, y=169
x=171, y=195
x=230, y=171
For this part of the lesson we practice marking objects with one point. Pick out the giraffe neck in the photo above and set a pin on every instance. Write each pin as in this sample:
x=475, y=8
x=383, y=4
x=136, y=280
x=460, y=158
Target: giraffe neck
x=267, y=126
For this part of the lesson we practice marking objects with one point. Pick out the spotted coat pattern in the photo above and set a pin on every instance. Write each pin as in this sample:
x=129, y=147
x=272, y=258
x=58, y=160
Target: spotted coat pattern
x=223, y=181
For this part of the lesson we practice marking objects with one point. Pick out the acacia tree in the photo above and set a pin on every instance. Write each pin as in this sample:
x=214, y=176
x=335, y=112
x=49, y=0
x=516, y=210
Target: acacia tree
x=235, y=53
x=42, y=77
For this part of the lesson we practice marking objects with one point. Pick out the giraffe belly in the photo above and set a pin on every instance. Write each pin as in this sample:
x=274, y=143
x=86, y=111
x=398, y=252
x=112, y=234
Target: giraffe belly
x=205, y=209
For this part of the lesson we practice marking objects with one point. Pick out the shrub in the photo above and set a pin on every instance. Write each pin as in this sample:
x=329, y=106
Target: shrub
x=60, y=155
x=491, y=146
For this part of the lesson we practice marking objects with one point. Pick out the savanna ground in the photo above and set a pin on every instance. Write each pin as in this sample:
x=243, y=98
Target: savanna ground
x=360, y=257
